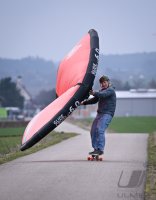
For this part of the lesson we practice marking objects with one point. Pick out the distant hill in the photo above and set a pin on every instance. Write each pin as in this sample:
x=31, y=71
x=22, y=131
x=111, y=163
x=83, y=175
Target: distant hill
x=129, y=66
x=38, y=74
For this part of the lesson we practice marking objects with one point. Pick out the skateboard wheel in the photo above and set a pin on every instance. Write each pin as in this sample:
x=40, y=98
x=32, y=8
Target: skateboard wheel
x=100, y=159
x=89, y=158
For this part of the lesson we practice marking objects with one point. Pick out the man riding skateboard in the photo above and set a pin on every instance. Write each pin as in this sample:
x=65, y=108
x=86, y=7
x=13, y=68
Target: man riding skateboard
x=106, y=98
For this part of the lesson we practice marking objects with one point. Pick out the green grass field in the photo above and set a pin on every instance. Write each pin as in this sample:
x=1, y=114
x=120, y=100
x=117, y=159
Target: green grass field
x=133, y=124
x=10, y=141
x=11, y=132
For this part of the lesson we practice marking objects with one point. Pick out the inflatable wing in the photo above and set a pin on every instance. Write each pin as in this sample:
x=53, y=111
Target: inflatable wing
x=75, y=78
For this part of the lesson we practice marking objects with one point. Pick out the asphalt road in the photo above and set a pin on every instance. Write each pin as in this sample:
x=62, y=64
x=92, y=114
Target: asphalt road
x=62, y=172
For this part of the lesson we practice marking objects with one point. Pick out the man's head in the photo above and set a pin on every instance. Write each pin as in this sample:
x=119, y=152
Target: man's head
x=104, y=82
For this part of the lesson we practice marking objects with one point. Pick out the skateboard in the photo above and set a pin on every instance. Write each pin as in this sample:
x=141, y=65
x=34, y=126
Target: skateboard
x=95, y=157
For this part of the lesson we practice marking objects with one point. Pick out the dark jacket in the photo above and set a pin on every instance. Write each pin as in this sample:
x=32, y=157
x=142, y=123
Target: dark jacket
x=106, y=99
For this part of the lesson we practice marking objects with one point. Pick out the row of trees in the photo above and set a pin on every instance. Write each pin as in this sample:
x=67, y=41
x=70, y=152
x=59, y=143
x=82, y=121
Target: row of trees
x=10, y=95
x=136, y=84
x=127, y=85
x=45, y=97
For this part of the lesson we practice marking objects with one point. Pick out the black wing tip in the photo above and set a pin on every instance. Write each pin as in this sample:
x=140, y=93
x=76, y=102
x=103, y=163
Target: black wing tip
x=94, y=38
x=93, y=31
x=23, y=147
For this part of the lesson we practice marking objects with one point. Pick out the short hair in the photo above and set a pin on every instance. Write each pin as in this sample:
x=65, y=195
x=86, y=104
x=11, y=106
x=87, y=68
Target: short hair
x=104, y=78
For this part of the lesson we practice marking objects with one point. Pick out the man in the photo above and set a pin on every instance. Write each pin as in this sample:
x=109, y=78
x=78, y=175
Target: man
x=106, y=98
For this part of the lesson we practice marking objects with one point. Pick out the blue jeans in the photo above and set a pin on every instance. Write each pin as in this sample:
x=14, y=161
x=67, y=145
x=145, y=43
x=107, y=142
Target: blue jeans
x=99, y=126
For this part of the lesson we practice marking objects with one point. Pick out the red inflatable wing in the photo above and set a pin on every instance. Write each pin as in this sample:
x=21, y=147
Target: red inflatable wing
x=75, y=78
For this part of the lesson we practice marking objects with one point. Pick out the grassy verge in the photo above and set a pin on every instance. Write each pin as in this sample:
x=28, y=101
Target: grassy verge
x=150, y=189
x=10, y=141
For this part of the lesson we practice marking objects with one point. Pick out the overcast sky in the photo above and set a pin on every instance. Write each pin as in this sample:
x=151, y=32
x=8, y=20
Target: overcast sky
x=50, y=28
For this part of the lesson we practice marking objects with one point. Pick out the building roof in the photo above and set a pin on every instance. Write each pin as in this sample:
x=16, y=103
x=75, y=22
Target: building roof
x=139, y=93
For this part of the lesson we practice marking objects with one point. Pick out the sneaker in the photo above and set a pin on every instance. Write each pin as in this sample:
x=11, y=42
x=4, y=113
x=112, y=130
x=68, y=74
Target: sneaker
x=100, y=152
x=93, y=152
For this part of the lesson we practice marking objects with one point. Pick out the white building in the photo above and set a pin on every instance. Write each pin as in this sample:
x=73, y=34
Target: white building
x=136, y=103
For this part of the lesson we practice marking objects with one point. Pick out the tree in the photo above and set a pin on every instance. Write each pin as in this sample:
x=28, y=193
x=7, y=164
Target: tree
x=126, y=86
x=45, y=97
x=152, y=84
x=117, y=84
x=10, y=94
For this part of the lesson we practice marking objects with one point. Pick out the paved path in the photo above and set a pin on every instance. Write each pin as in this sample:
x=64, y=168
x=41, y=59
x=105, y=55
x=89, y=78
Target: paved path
x=61, y=172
